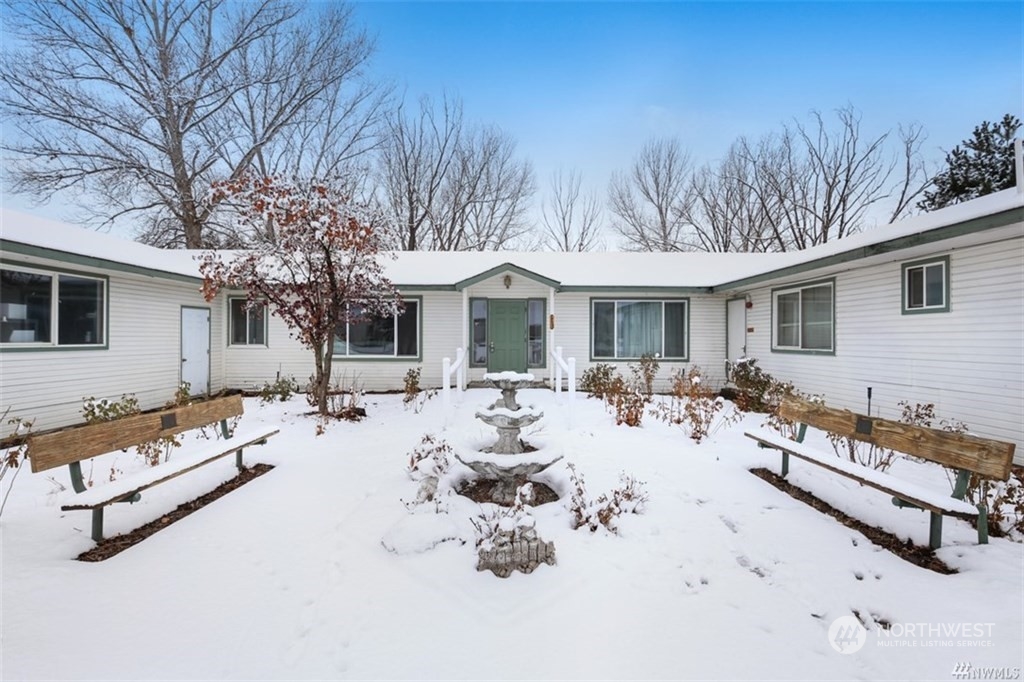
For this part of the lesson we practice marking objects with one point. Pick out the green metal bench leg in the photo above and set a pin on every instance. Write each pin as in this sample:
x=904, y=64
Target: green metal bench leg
x=238, y=460
x=982, y=524
x=935, y=532
x=97, y=524
x=785, y=463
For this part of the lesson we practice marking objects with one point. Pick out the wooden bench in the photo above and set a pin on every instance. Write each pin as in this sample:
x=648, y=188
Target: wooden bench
x=73, y=445
x=965, y=454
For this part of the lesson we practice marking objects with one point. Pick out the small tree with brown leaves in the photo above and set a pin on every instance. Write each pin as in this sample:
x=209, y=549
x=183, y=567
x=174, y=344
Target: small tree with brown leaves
x=318, y=268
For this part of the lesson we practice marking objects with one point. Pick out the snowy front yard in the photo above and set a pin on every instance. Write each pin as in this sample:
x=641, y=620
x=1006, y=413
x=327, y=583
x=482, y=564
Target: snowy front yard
x=723, y=576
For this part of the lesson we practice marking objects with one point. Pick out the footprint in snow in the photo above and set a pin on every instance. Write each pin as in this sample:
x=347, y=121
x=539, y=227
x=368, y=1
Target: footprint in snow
x=729, y=523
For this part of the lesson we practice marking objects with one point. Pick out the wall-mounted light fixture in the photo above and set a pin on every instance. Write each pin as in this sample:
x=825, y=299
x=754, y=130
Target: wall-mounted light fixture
x=750, y=304
x=507, y=280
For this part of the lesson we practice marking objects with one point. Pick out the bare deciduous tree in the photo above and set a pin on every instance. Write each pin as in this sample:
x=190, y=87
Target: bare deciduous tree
x=570, y=218
x=140, y=105
x=803, y=186
x=651, y=202
x=415, y=155
x=451, y=187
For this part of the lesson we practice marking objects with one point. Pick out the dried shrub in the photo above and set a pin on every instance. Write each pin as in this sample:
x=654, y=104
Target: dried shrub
x=758, y=391
x=597, y=380
x=506, y=524
x=414, y=396
x=343, y=402
x=1005, y=500
x=628, y=498
x=627, y=401
x=14, y=456
x=644, y=373
x=860, y=452
x=694, y=406
x=431, y=458
x=152, y=452
x=279, y=391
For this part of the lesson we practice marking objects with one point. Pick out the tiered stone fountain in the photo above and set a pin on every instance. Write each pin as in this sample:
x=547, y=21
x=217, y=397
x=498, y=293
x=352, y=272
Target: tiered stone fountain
x=515, y=462
x=510, y=463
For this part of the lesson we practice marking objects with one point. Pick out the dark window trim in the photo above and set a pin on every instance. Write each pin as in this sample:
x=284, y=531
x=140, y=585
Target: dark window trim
x=51, y=346
x=231, y=323
x=662, y=358
x=831, y=281
x=543, y=333
x=394, y=358
x=906, y=267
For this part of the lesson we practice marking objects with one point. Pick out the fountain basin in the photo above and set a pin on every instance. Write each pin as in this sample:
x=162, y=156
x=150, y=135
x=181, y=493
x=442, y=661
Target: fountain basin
x=508, y=471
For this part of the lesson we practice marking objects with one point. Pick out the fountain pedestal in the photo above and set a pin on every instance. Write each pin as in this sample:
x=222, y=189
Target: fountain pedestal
x=515, y=464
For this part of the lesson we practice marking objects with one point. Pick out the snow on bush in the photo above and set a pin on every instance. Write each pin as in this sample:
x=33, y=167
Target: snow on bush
x=629, y=498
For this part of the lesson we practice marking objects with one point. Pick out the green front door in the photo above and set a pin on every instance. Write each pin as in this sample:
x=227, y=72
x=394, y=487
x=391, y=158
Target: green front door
x=506, y=330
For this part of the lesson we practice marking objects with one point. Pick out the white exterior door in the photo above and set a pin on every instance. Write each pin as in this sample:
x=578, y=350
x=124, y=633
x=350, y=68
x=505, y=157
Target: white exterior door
x=195, y=349
x=736, y=330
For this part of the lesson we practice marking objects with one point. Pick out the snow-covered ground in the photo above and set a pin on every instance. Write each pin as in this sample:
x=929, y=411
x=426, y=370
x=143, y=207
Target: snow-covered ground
x=287, y=577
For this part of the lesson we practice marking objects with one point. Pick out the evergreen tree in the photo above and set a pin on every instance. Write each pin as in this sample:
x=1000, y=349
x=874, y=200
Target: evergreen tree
x=976, y=167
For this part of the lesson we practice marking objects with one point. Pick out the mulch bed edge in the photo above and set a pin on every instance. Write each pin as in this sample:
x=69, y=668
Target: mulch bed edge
x=109, y=547
x=908, y=551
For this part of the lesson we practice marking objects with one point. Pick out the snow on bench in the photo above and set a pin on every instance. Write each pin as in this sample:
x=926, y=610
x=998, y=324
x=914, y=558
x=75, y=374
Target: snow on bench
x=71, y=446
x=967, y=455
x=911, y=492
x=181, y=463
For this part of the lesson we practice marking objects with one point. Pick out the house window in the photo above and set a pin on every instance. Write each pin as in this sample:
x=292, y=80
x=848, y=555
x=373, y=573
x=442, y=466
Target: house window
x=804, y=317
x=478, y=324
x=51, y=308
x=394, y=336
x=926, y=286
x=535, y=332
x=625, y=330
x=248, y=325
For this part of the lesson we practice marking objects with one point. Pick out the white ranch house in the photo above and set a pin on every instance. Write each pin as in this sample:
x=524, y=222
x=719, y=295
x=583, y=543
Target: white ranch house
x=927, y=310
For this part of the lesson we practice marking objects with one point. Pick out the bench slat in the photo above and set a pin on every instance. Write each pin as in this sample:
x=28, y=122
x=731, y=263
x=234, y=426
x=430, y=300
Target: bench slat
x=182, y=463
x=990, y=458
x=911, y=492
x=49, y=450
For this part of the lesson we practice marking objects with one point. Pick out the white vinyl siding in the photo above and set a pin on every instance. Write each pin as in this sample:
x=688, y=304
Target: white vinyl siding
x=440, y=322
x=706, y=335
x=967, y=362
x=142, y=355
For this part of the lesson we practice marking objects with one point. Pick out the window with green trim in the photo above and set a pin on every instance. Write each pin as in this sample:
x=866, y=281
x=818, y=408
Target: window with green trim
x=395, y=336
x=804, y=318
x=40, y=307
x=926, y=286
x=628, y=329
x=248, y=324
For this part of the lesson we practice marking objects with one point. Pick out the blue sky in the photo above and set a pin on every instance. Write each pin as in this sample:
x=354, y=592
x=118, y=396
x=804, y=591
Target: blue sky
x=583, y=84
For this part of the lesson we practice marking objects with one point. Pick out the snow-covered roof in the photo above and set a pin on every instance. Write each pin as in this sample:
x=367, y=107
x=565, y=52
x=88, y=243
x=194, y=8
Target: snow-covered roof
x=564, y=270
x=30, y=230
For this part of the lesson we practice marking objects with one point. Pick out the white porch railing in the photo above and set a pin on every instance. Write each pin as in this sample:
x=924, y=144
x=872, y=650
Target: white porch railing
x=569, y=368
x=447, y=370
